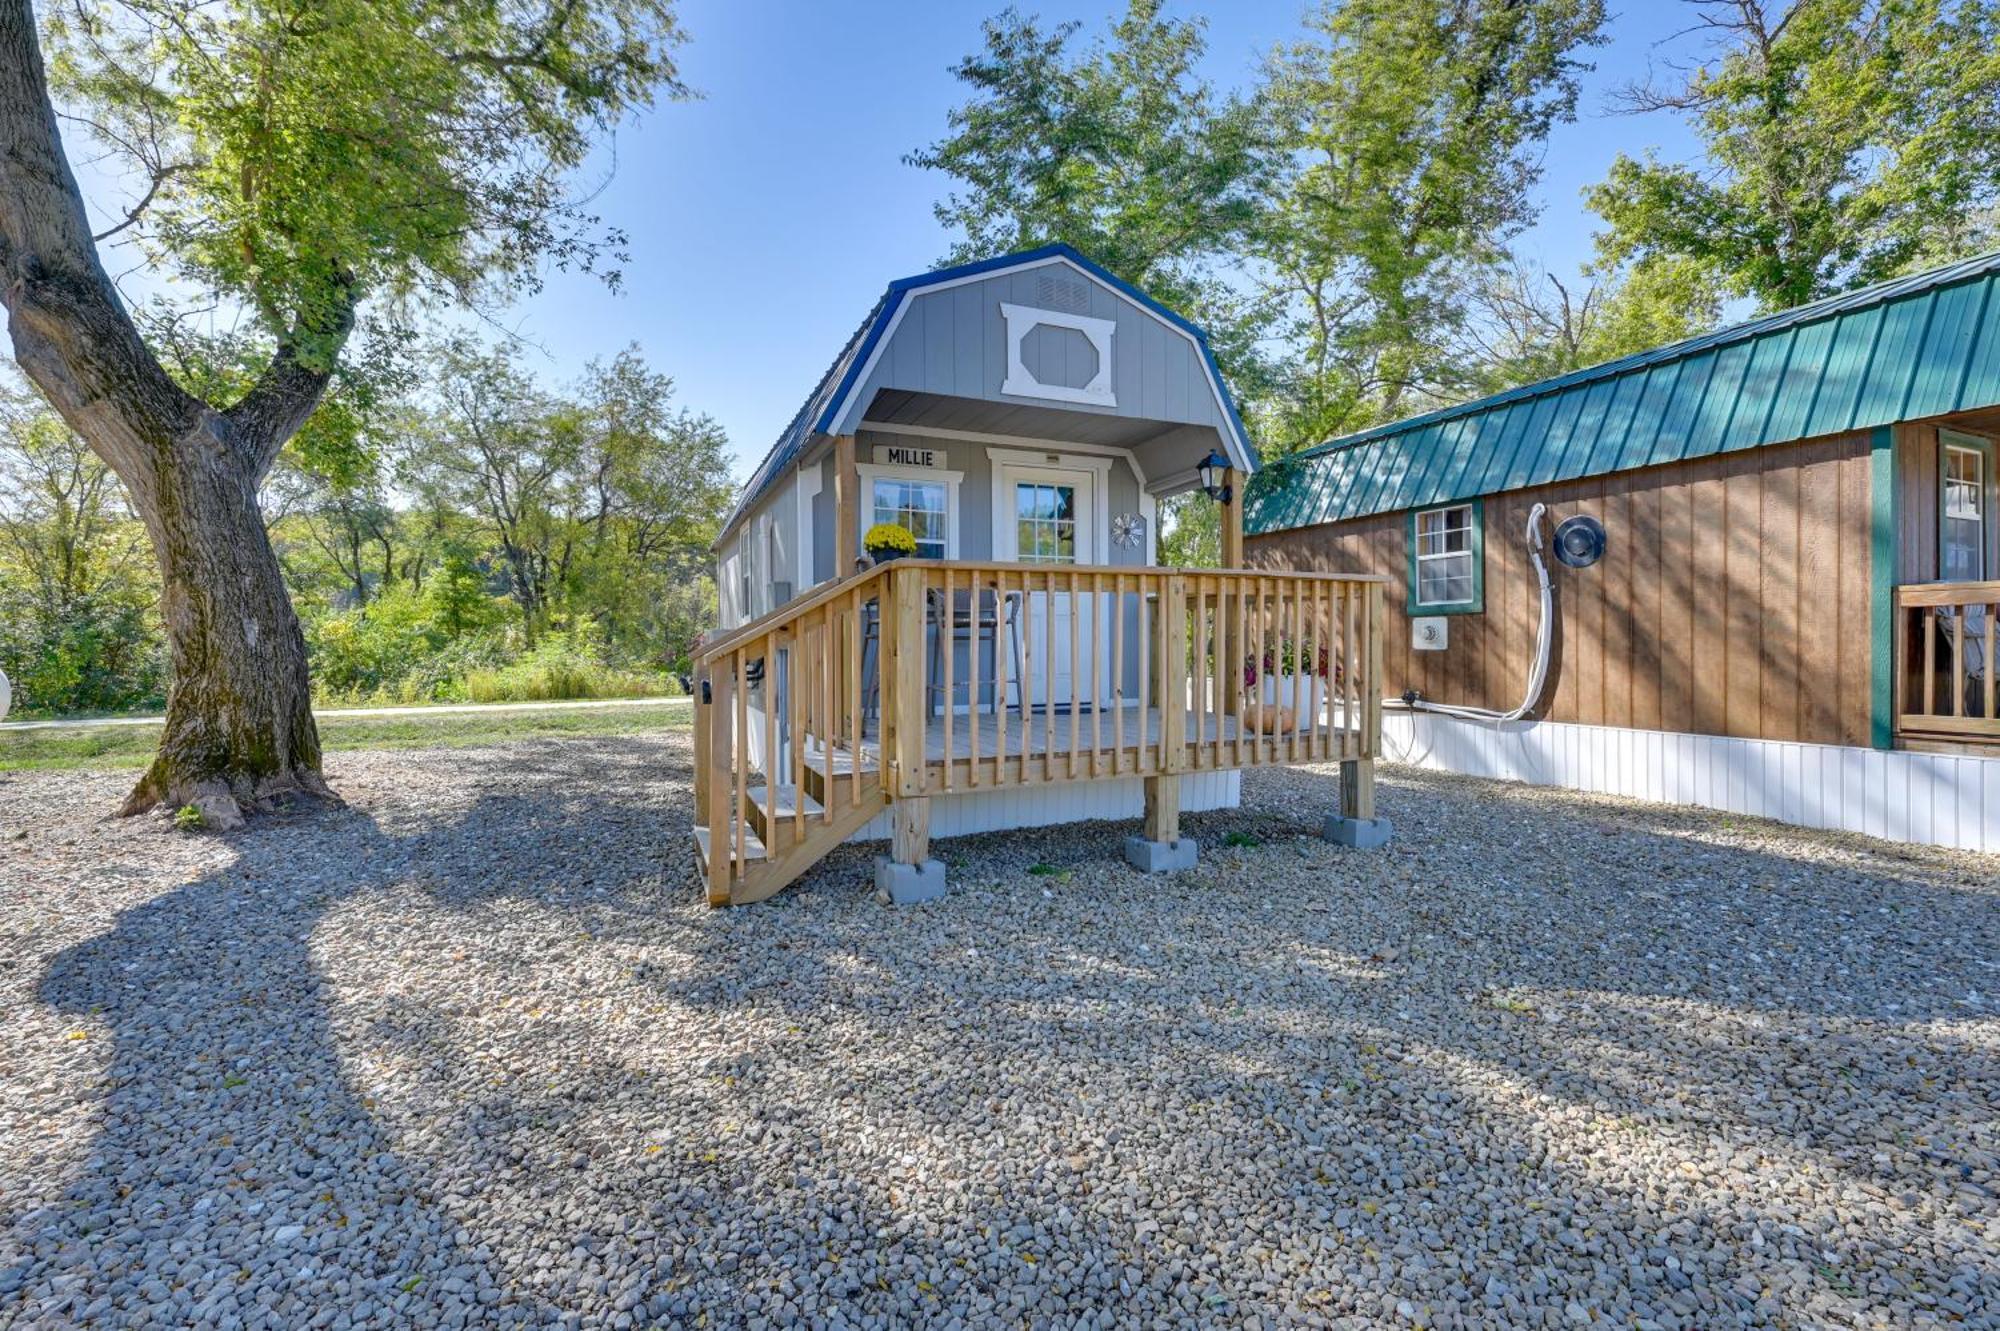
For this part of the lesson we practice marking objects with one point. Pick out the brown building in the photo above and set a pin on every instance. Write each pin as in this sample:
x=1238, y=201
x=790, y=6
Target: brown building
x=1793, y=610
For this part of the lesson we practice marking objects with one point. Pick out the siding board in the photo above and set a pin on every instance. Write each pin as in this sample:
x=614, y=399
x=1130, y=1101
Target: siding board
x=1733, y=598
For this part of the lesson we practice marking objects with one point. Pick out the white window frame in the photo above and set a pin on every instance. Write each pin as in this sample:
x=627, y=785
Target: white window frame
x=870, y=472
x=1010, y=464
x=1024, y=319
x=1470, y=555
x=1981, y=451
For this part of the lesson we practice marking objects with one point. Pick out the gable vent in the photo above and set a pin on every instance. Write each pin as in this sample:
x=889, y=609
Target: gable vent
x=1061, y=293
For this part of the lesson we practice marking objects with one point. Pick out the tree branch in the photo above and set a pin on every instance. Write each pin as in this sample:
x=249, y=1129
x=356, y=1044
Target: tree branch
x=292, y=384
x=72, y=335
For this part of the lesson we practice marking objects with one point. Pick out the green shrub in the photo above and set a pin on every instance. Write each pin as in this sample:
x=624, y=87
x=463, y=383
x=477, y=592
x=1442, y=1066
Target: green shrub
x=565, y=664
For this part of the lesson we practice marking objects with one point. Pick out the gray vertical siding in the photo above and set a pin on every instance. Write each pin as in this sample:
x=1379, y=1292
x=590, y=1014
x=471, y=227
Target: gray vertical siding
x=954, y=342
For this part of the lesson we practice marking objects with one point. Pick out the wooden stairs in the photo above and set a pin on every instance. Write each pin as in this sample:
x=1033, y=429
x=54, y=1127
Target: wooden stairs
x=783, y=834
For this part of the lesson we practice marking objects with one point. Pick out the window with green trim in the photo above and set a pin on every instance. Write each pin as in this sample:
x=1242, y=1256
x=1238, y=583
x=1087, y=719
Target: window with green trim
x=1447, y=557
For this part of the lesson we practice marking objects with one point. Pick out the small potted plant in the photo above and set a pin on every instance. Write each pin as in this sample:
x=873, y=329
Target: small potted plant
x=1287, y=685
x=885, y=541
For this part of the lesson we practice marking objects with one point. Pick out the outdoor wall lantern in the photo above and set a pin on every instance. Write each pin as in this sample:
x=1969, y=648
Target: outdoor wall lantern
x=1211, y=470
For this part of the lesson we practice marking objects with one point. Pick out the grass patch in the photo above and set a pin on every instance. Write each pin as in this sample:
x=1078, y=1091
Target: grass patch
x=132, y=746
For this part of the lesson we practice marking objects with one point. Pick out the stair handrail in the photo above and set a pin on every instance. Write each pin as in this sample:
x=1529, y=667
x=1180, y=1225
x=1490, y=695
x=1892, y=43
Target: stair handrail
x=791, y=609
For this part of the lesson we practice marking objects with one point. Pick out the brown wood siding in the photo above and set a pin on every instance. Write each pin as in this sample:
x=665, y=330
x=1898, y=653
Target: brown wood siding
x=1733, y=598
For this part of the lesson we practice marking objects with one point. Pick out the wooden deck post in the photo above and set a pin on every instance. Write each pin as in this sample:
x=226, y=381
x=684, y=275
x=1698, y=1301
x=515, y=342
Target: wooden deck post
x=1172, y=698
x=1232, y=520
x=905, y=706
x=721, y=784
x=701, y=728
x=1357, y=776
x=910, y=830
x=846, y=507
x=1163, y=809
x=1357, y=789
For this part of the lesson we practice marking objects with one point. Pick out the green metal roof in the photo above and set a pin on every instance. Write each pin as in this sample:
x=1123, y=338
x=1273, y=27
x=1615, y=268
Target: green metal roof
x=1915, y=346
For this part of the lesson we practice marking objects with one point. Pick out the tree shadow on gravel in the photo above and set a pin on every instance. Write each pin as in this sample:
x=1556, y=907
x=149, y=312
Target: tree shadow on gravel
x=1375, y=1051
x=1600, y=1004
x=234, y=1171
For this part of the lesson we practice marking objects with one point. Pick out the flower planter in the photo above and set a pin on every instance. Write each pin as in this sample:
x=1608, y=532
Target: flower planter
x=1289, y=701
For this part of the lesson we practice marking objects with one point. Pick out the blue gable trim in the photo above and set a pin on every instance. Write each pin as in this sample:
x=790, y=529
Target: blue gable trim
x=904, y=287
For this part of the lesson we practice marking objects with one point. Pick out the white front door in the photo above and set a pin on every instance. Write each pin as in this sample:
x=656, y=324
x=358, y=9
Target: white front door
x=1048, y=515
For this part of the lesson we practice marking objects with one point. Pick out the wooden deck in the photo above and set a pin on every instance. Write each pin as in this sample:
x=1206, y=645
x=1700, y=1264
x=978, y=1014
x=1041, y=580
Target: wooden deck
x=848, y=730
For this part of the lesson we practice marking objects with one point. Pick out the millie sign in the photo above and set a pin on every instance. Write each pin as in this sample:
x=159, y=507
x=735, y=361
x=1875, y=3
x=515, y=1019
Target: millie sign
x=904, y=455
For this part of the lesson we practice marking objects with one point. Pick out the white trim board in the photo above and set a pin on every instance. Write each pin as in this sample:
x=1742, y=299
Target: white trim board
x=806, y=488
x=1022, y=320
x=1098, y=469
x=1920, y=798
x=867, y=473
x=1029, y=442
x=1112, y=798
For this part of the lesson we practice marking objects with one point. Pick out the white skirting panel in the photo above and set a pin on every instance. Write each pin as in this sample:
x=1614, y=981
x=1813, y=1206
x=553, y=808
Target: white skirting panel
x=1923, y=798
x=1067, y=802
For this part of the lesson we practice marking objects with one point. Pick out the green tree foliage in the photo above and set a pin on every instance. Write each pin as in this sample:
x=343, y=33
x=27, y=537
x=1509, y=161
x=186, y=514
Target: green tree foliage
x=77, y=595
x=601, y=503
x=297, y=158
x=402, y=562
x=1119, y=149
x=1326, y=229
x=301, y=154
x=1414, y=131
x=1843, y=141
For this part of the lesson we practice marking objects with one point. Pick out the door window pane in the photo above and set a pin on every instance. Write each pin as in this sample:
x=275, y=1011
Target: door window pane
x=1045, y=529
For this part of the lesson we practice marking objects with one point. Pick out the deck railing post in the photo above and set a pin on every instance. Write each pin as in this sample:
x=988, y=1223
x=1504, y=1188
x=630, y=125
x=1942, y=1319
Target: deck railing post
x=1357, y=777
x=721, y=782
x=1173, y=699
x=701, y=727
x=904, y=703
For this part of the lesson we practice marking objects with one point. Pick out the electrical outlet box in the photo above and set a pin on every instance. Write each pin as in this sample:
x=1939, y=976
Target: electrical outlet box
x=1430, y=633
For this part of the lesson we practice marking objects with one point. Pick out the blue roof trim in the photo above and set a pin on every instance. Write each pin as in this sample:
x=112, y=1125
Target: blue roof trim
x=1919, y=345
x=822, y=408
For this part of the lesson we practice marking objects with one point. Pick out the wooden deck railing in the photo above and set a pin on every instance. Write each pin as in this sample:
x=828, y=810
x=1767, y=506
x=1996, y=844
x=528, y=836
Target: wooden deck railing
x=1123, y=672
x=932, y=677
x=1944, y=653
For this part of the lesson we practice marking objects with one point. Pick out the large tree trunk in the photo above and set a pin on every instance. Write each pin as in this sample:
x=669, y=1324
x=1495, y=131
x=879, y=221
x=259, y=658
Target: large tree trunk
x=239, y=730
x=239, y=727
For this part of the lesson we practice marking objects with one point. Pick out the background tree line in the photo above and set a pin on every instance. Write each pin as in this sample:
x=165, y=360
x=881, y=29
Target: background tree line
x=329, y=178
x=1348, y=227
x=485, y=539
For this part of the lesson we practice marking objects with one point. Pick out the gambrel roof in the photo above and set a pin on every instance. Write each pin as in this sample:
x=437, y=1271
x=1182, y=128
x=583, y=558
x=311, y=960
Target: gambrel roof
x=836, y=404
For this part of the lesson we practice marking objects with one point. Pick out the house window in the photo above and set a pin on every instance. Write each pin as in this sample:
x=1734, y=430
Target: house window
x=1445, y=559
x=1045, y=523
x=1964, y=513
x=922, y=508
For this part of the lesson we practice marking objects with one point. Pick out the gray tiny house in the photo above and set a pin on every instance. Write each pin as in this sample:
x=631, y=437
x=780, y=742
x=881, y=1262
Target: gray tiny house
x=1029, y=662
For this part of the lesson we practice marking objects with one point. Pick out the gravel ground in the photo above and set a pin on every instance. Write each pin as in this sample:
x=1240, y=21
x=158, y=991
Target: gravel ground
x=468, y=1053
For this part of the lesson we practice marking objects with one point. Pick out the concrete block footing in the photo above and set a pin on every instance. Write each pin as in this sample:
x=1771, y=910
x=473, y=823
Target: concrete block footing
x=907, y=884
x=1160, y=856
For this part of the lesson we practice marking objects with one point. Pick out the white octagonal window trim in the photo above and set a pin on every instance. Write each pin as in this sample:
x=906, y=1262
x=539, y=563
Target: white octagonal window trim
x=1023, y=319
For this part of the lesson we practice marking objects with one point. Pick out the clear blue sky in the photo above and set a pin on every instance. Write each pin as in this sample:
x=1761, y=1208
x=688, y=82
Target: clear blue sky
x=766, y=217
